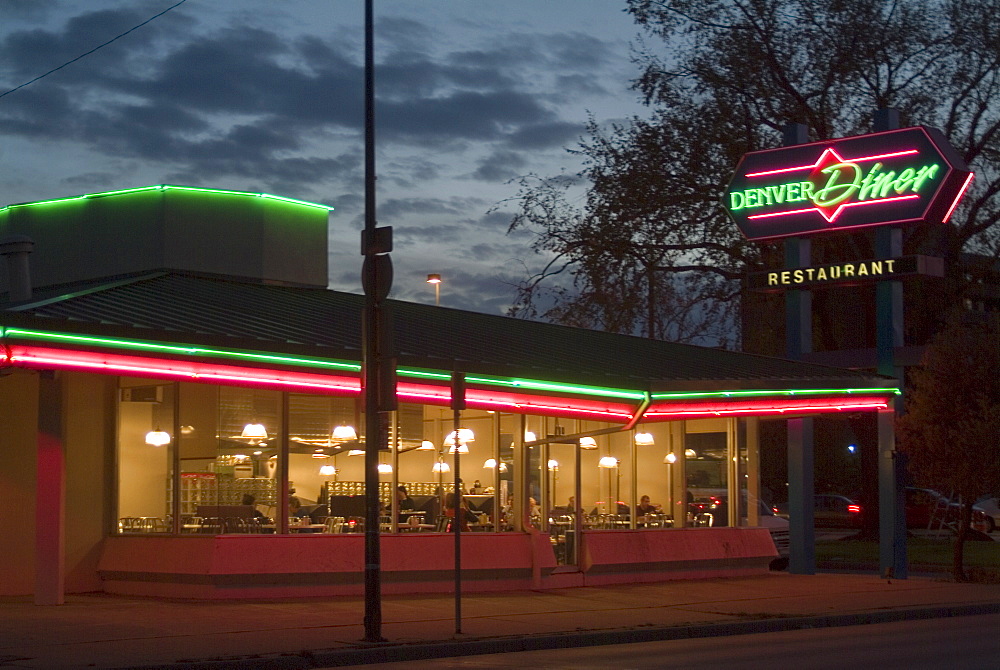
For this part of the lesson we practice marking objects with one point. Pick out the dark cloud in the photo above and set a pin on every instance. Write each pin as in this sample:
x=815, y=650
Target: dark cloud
x=27, y=9
x=427, y=232
x=499, y=166
x=577, y=51
x=396, y=208
x=545, y=135
x=571, y=86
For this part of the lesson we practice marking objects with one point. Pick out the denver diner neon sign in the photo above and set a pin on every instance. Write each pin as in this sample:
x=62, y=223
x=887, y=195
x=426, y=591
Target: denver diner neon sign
x=900, y=176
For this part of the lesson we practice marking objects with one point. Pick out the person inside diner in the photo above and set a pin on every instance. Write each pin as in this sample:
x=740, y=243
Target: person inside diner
x=643, y=509
x=403, y=504
x=296, y=511
x=465, y=515
x=248, y=499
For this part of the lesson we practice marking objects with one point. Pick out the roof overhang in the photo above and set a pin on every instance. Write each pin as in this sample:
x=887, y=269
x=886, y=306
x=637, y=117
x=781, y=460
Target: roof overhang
x=34, y=348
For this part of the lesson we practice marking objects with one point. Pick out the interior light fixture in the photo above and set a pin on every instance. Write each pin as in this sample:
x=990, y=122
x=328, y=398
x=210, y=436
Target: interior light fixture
x=426, y=445
x=644, y=439
x=441, y=467
x=384, y=469
x=327, y=470
x=254, y=431
x=344, y=433
x=464, y=435
x=690, y=453
x=463, y=448
x=490, y=463
x=670, y=458
x=356, y=452
x=588, y=443
x=553, y=464
x=607, y=462
x=157, y=438
x=529, y=436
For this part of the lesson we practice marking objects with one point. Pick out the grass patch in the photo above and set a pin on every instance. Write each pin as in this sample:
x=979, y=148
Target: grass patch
x=982, y=559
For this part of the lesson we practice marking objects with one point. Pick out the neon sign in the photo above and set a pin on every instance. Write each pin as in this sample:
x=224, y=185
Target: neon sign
x=901, y=176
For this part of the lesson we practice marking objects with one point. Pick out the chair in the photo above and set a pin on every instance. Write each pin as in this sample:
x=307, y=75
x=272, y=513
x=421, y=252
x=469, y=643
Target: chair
x=442, y=524
x=333, y=524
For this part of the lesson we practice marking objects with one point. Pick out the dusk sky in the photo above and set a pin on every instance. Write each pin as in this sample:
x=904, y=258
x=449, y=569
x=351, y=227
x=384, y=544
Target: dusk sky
x=267, y=95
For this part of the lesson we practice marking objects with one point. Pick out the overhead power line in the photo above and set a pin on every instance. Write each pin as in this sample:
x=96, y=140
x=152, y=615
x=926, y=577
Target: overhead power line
x=101, y=46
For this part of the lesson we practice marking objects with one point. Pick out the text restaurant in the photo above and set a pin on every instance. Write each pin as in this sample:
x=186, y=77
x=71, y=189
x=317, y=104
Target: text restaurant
x=183, y=418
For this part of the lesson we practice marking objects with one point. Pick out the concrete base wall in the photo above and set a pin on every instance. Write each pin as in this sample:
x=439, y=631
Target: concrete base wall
x=261, y=566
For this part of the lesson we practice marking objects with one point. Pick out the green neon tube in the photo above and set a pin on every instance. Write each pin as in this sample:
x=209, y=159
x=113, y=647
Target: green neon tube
x=167, y=187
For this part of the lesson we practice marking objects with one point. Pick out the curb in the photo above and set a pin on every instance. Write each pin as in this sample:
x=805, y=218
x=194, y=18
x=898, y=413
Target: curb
x=390, y=653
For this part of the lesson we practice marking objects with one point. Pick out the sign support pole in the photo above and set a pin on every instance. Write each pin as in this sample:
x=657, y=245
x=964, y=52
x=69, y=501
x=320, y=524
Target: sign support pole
x=889, y=335
x=798, y=341
x=457, y=405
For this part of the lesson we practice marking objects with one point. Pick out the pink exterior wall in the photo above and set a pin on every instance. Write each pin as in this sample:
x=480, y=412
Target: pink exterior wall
x=629, y=556
x=262, y=566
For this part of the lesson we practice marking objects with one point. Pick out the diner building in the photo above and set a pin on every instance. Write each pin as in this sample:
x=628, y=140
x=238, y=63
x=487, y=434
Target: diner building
x=183, y=418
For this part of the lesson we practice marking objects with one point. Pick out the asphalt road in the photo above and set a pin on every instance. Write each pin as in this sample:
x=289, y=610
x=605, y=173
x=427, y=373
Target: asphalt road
x=968, y=643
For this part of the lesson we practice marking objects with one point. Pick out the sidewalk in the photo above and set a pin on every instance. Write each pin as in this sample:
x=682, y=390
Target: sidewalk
x=115, y=632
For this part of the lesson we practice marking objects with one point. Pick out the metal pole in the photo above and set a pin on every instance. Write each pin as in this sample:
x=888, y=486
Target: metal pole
x=373, y=283
x=458, y=404
x=457, y=527
x=798, y=341
x=889, y=335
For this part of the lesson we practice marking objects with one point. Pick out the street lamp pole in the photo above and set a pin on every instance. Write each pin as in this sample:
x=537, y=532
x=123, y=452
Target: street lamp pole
x=377, y=362
x=435, y=279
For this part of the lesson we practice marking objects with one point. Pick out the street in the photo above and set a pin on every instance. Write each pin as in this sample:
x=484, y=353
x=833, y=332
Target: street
x=969, y=643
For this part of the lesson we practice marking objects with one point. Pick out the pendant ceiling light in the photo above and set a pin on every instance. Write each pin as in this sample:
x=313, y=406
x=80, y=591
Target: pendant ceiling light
x=644, y=440
x=327, y=470
x=157, y=438
x=384, y=469
x=670, y=458
x=588, y=443
x=344, y=433
x=607, y=462
x=254, y=431
x=441, y=466
x=463, y=448
x=426, y=445
x=464, y=435
x=356, y=452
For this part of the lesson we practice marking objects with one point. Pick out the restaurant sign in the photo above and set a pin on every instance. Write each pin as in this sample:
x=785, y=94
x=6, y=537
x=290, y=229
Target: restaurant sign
x=900, y=176
x=849, y=273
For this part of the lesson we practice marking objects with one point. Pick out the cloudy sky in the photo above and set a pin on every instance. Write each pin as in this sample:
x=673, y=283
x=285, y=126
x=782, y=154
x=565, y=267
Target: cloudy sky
x=267, y=95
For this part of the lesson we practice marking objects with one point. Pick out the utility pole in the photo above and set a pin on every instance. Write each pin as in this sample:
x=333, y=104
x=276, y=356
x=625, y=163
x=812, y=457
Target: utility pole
x=378, y=365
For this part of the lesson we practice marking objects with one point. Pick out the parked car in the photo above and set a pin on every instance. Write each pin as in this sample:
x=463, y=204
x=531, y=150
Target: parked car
x=926, y=508
x=830, y=511
x=991, y=508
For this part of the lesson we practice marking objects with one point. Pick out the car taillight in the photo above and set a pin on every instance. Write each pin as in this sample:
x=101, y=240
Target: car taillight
x=856, y=509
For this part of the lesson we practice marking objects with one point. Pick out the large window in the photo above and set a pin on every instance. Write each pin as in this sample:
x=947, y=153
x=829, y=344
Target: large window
x=204, y=459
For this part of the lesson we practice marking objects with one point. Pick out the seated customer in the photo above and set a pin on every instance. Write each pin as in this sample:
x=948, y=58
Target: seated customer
x=403, y=503
x=252, y=502
x=465, y=514
x=643, y=509
x=296, y=510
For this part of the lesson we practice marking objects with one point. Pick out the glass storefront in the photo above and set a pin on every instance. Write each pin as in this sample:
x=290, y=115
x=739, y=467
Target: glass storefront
x=248, y=460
